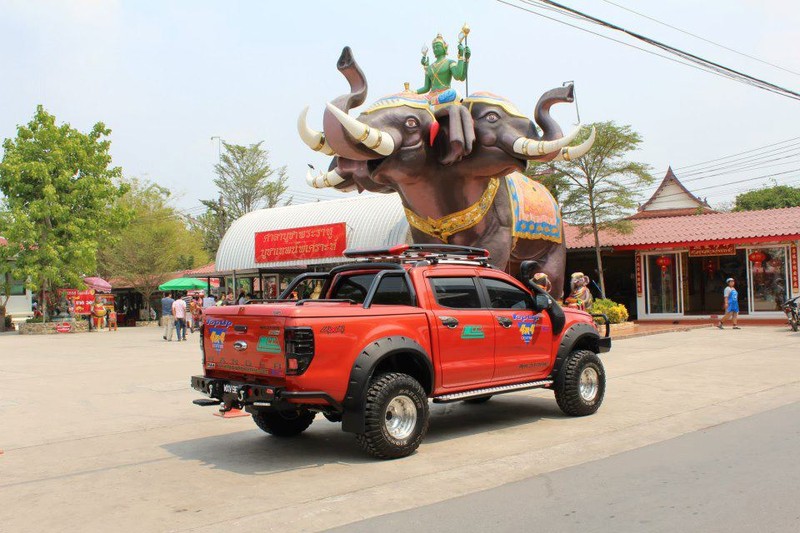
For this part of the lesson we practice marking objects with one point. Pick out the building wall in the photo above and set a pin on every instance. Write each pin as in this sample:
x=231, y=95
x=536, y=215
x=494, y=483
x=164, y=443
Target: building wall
x=672, y=197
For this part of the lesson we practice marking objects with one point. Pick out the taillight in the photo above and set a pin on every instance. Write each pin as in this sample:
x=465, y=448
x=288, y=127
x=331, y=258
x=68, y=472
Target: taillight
x=299, y=349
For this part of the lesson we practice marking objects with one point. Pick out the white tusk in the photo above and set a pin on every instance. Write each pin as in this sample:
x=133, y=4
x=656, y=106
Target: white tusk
x=373, y=138
x=533, y=148
x=313, y=139
x=324, y=179
x=574, y=152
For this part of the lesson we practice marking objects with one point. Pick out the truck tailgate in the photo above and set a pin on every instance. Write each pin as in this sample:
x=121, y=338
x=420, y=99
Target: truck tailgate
x=244, y=344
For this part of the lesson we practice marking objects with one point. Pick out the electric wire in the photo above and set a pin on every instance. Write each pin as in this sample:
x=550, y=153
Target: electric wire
x=709, y=41
x=687, y=58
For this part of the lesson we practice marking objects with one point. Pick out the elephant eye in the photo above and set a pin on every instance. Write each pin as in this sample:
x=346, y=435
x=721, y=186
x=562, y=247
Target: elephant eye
x=492, y=117
x=411, y=122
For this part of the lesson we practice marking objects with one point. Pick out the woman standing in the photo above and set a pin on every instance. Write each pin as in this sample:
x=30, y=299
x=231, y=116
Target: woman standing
x=731, y=303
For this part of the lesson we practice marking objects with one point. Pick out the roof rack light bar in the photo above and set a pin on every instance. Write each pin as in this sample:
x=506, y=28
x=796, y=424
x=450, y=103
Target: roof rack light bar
x=420, y=250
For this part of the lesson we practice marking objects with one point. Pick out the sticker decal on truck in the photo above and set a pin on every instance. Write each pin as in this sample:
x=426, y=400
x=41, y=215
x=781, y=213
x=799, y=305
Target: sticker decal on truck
x=268, y=345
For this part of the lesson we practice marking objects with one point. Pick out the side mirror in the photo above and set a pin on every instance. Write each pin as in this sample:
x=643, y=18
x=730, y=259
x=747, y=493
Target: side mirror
x=543, y=302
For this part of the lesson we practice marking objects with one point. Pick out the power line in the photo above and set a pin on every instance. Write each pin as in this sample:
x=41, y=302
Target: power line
x=767, y=146
x=696, y=61
x=701, y=38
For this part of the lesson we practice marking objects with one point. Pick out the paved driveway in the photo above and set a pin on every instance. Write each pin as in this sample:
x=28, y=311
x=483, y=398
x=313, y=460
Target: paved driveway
x=98, y=430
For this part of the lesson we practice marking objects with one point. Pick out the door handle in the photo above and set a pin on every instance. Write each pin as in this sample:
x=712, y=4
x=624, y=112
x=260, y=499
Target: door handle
x=505, y=321
x=449, y=321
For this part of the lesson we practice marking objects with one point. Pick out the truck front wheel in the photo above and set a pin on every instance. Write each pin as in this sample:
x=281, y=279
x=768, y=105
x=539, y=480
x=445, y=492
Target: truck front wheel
x=284, y=423
x=396, y=416
x=580, y=384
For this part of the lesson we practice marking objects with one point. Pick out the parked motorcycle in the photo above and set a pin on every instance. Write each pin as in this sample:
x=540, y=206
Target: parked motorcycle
x=790, y=307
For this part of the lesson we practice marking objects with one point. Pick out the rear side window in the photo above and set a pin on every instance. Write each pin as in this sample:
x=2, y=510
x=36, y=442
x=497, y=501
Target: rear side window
x=456, y=293
x=504, y=295
x=393, y=290
x=353, y=287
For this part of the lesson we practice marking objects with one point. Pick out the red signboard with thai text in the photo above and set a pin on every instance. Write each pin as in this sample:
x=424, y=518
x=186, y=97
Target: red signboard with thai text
x=311, y=242
x=712, y=249
x=83, y=302
x=795, y=282
x=638, y=274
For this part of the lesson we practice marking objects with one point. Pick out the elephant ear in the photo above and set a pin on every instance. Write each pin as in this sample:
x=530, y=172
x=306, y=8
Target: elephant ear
x=456, y=134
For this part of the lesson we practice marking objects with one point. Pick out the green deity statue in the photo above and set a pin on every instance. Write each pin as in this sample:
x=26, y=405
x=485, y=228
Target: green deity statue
x=440, y=74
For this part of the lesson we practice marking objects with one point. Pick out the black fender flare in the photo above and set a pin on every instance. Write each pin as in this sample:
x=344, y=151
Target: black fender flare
x=364, y=367
x=571, y=337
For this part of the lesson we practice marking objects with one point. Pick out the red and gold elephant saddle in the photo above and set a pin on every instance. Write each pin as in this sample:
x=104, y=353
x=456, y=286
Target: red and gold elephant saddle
x=535, y=211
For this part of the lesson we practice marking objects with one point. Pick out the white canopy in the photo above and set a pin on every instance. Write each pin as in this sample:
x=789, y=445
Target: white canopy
x=372, y=221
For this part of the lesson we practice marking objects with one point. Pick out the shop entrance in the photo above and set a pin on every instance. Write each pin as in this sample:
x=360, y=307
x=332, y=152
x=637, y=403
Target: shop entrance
x=706, y=282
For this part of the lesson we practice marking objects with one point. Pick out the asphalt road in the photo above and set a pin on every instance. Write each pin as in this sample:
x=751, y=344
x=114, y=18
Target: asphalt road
x=739, y=476
x=99, y=430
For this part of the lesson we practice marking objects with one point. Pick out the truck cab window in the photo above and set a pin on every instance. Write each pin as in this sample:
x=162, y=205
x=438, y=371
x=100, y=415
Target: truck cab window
x=353, y=287
x=456, y=293
x=393, y=290
x=503, y=295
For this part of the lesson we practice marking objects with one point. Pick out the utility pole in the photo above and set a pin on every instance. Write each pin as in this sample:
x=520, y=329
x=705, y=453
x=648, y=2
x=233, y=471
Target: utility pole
x=221, y=213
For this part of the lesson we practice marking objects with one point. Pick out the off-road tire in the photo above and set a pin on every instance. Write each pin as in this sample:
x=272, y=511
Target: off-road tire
x=382, y=392
x=567, y=385
x=283, y=423
x=478, y=401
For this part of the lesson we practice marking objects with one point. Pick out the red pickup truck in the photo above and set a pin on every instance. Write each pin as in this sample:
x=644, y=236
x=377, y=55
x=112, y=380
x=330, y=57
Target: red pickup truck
x=391, y=331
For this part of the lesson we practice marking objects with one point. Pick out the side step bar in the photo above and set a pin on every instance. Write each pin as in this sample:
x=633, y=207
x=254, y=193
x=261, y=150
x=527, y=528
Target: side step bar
x=467, y=395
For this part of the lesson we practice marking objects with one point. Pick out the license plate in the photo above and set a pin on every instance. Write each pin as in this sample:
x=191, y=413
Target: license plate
x=230, y=389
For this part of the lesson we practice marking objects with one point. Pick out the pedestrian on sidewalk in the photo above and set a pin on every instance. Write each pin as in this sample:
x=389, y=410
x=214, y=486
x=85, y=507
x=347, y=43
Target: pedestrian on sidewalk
x=167, y=320
x=731, y=303
x=179, y=311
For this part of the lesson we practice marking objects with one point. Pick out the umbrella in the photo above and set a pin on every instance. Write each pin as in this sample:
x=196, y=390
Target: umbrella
x=98, y=284
x=183, y=284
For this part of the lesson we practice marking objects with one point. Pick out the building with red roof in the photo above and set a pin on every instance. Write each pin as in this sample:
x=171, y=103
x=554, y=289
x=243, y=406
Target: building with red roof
x=674, y=262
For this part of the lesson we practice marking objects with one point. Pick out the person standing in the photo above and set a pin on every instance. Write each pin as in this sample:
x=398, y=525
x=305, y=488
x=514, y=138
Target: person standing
x=179, y=312
x=731, y=303
x=167, y=320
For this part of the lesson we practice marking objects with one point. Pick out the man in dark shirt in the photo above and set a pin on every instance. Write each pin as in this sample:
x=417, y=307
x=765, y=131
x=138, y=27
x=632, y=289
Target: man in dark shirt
x=167, y=320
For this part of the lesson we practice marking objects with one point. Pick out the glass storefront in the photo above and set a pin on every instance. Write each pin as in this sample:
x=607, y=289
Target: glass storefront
x=705, y=282
x=663, y=284
x=676, y=283
x=769, y=286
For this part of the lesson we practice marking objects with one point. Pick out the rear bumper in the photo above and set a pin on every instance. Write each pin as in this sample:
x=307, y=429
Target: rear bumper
x=237, y=394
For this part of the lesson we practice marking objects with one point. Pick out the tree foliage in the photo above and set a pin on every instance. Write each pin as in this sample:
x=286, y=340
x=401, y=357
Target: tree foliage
x=246, y=181
x=770, y=197
x=61, y=199
x=156, y=242
x=598, y=190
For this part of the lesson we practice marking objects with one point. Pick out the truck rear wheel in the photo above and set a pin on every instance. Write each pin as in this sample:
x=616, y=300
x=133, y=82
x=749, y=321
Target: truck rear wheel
x=580, y=384
x=396, y=416
x=284, y=423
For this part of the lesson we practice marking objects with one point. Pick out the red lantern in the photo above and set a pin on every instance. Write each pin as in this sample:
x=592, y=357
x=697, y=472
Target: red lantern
x=757, y=258
x=664, y=262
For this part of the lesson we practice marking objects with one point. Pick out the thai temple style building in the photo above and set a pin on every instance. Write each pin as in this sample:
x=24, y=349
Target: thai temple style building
x=674, y=263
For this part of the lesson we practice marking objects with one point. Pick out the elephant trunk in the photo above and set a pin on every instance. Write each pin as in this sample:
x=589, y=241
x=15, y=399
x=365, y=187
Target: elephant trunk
x=550, y=128
x=336, y=134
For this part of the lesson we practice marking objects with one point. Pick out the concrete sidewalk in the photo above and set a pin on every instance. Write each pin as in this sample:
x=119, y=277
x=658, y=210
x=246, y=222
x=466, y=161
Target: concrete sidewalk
x=99, y=429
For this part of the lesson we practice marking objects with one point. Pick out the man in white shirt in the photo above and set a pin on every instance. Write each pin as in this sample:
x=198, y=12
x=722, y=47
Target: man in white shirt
x=179, y=312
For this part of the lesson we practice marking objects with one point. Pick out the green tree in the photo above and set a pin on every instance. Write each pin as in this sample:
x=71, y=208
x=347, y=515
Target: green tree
x=246, y=181
x=770, y=197
x=599, y=189
x=61, y=197
x=156, y=242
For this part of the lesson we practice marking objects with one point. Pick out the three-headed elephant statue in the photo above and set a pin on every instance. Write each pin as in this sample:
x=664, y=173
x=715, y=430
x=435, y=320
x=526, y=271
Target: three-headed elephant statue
x=458, y=169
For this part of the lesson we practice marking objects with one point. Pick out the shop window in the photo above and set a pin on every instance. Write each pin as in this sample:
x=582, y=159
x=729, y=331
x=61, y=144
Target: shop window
x=17, y=287
x=768, y=277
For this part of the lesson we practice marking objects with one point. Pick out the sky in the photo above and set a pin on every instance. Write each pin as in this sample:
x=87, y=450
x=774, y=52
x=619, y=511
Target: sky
x=167, y=76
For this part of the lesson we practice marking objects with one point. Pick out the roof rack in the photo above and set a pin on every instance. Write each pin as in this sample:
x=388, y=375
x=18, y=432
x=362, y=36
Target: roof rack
x=422, y=252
